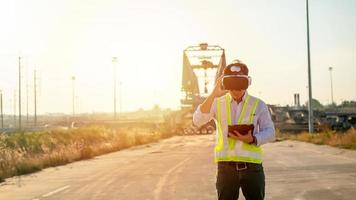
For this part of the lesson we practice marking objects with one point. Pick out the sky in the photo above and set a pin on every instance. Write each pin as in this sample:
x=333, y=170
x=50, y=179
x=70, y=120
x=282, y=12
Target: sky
x=66, y=38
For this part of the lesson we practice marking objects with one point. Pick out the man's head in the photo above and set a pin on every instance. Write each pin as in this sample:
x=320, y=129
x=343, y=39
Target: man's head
x=236, y=79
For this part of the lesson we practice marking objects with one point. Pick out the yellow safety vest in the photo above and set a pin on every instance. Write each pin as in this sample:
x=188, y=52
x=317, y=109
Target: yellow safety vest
x=228, y=149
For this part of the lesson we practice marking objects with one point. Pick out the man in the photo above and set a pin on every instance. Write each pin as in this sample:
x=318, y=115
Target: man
x=238, y=154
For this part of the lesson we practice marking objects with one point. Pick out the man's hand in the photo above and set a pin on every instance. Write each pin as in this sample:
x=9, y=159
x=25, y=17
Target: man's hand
x=218, y=91
x=248, y=138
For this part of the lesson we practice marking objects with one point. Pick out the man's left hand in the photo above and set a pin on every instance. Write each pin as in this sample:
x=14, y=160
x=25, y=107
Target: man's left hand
x=248, y=138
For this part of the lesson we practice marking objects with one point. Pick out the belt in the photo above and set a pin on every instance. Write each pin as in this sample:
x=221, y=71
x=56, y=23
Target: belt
x=240, y=165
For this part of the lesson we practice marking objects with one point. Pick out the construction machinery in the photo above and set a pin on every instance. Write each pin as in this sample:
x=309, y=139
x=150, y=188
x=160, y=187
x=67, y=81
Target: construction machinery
x=202, y=65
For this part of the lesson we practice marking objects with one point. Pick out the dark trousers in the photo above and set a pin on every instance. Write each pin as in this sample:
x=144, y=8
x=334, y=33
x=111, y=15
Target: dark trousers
x=230, y=180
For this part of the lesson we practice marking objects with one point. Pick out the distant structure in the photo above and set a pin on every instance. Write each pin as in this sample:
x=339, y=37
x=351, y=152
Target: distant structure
x=296, y=100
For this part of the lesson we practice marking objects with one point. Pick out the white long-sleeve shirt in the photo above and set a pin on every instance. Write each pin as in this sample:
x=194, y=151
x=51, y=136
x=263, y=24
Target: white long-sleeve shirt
x=264, y=131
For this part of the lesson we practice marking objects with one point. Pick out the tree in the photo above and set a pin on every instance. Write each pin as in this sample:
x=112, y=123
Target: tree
x=315, y=104
x=348, y=104
x=156, y=108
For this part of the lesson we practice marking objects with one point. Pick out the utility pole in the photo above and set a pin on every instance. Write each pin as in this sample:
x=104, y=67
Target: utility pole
x=310, y=116
x=35, y=96
x=114, y=61
x=73, y=96
x=331, y=84
x=15, y=120
x=19, y=92
x=26, y=97
x=1, y=109
x=120, y=98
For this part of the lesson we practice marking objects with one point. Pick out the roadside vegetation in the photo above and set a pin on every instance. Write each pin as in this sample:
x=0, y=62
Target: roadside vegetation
x=345, y=140
x=23, y=153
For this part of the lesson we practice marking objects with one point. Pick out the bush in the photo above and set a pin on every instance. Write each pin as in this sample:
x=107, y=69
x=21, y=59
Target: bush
x=23, y=153
x=344, y=140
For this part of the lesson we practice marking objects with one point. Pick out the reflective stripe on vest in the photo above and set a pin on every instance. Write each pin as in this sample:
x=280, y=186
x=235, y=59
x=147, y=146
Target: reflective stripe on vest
x=234, y=150
x=220, y=139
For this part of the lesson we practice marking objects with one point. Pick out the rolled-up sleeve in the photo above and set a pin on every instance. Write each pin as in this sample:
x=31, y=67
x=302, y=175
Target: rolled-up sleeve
x=266, y=131
x=200, y=118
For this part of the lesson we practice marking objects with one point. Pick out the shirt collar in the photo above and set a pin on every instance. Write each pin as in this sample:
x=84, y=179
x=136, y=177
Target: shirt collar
x=242, y=100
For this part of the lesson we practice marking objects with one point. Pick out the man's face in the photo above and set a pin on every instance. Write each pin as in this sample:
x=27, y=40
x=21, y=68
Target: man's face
x=237, y=94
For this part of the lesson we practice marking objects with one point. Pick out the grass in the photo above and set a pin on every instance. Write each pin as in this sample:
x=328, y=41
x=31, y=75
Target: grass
x=23, y=153
x=345, y=140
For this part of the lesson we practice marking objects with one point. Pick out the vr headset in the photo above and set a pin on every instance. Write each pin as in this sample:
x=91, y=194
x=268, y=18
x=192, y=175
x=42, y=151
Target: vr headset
x=236, y=82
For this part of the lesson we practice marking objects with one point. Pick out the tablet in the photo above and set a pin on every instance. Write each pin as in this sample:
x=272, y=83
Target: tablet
x=241, y=128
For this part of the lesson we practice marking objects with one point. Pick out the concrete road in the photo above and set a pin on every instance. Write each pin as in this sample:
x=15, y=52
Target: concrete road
x=183, y=168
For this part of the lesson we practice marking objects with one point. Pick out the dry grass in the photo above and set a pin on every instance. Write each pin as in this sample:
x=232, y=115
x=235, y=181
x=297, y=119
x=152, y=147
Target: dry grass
x=343, y=140
x=23, y=153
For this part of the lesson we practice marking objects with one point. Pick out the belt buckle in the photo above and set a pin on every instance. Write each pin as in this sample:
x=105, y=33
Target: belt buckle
x=242, y=168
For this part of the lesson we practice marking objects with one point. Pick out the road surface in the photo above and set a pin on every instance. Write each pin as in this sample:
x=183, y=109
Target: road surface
x=182, y=167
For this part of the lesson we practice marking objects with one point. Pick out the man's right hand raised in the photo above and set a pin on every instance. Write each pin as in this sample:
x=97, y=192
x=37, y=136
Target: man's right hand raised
x=217, y=92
